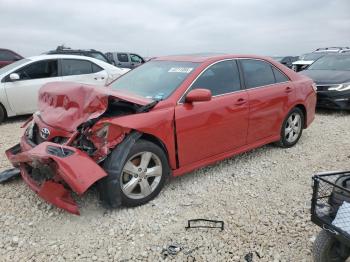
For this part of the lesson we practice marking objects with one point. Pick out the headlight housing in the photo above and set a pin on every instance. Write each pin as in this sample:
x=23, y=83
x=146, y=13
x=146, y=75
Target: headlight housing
x=341, y=87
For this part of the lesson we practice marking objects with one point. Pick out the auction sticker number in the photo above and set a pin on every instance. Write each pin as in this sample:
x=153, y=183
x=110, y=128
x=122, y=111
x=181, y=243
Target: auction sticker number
x=185, y=70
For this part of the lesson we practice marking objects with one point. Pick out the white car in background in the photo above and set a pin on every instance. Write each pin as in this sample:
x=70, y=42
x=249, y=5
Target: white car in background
x=21, y=81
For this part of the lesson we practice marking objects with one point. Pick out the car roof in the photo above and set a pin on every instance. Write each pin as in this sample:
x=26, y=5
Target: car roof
x=57, y=56
x=206, y=57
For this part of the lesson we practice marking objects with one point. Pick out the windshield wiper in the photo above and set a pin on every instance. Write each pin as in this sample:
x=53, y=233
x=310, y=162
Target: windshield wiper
x=147, y=107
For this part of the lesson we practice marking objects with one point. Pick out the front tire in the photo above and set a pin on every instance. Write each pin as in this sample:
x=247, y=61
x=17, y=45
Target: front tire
x=292, y=128
x=327, y=248
x=142, y=176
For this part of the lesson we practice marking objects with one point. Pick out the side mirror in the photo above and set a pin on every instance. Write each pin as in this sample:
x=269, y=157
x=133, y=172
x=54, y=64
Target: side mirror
x=198, y=95
x=14, y=77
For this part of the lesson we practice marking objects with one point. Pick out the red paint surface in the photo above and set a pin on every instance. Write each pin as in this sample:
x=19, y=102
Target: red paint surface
x=193, y=134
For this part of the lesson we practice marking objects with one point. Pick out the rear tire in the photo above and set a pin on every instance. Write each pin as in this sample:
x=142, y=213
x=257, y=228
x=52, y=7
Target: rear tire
x=2, y=114
x=143, y=175
x=292, y=128
x=327, y=248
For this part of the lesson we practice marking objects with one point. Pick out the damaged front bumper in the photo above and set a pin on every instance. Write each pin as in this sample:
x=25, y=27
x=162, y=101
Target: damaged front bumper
x=49, y=169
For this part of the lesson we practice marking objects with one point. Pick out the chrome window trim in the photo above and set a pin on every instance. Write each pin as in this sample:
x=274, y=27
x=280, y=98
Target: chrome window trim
x=245, y=89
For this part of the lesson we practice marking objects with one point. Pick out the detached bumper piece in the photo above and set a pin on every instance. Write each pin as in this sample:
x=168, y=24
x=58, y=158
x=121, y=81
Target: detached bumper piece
x=9, y=174
x=51, y=169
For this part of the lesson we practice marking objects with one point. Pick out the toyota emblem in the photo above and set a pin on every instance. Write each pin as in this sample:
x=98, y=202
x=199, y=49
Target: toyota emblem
x=45, y=133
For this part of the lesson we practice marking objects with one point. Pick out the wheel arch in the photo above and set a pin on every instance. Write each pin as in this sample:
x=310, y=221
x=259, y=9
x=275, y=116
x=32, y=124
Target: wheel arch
x=303, y=109
x=4, y=108
x=157, y=141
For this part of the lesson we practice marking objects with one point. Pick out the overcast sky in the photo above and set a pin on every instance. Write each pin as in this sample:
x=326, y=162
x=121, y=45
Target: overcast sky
x=161, y=27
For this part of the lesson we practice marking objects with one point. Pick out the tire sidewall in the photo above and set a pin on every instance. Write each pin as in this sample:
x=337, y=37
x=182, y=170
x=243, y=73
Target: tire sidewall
x=140, y=146
x=283, y=140
x=2, y=114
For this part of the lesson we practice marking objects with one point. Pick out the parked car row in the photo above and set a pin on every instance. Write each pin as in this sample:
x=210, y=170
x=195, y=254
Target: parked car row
x=20, y=81
x=307, y=59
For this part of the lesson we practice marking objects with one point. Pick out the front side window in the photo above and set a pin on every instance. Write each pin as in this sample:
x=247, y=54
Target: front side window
x=220, y=78
x=135, y=59
x=123, y=57
x=257, y=73
x=36, y=70
x=156, y=79
x=76, y=67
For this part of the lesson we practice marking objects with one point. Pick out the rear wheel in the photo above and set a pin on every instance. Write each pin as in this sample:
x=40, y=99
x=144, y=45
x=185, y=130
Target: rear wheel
x=292, y=128
x=327, y=248
x=142, y=177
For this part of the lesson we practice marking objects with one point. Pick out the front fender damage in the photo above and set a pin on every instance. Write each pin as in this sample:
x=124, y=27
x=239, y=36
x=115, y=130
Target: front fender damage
x=64, y=166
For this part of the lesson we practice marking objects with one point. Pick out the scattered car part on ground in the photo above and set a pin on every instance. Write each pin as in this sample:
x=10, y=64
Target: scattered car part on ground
x=8, y=57
x=125, y=60
x=331, y=191
x=9, y=174
x=62, y=50
x=332, y=77
x=205, y=223
x=20, y=82
x=168, y=117
x=286, y=60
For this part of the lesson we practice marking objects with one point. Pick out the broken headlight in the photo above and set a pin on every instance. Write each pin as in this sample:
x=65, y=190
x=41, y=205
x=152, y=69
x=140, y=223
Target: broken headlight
x=30, y=131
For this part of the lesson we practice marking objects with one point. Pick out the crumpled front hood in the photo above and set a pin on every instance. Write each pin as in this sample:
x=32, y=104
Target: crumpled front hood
x=66, y=105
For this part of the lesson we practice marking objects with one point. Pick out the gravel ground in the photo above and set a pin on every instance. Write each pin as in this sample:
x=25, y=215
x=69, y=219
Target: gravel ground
x=263, y=196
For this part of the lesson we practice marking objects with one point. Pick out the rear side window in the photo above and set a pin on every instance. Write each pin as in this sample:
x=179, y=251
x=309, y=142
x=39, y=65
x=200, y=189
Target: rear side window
x=78, y=67
x=123, y=57
x=41, y=69
x=257, y=73
x=220, y=78
x=279, y=76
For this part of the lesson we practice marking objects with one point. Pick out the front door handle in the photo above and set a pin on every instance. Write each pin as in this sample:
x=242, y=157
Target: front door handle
x=288, y=89
x=240, y=101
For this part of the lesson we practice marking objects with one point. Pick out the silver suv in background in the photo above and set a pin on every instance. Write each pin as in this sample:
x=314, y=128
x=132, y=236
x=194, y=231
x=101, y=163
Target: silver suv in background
x=125, y=60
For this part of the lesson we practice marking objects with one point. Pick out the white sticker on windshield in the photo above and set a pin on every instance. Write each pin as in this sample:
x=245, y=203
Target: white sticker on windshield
x=185, y=70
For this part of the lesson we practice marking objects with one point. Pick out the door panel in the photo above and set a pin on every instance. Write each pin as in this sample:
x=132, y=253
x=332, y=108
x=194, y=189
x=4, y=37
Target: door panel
x=205, y=129
x=268, y=107
x=23, y=95
x=98, y=79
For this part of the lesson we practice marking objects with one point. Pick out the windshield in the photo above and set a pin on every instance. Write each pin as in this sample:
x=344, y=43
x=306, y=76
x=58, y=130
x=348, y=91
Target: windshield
x=312, y=56
x=155, y=79
x=9, y=67
x=336, y=62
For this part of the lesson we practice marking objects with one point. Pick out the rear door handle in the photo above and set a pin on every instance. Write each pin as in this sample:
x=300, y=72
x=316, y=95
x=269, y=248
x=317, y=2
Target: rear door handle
x=240, y=101
x=288, y=89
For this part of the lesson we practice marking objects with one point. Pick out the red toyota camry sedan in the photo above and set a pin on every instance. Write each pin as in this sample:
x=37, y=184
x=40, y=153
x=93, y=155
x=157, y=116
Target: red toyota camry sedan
x=165, y=118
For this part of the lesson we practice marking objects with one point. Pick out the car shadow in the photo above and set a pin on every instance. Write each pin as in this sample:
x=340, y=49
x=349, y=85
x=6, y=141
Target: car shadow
x=327, y=112
x=15, y=119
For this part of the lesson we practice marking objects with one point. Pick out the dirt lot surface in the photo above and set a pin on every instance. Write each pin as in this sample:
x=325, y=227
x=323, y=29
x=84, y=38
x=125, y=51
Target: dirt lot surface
x=263, y=197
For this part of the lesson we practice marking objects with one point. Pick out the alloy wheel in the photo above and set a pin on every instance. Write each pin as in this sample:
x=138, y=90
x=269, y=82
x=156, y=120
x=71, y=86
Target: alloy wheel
x=141, y=175
x=293, y=127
